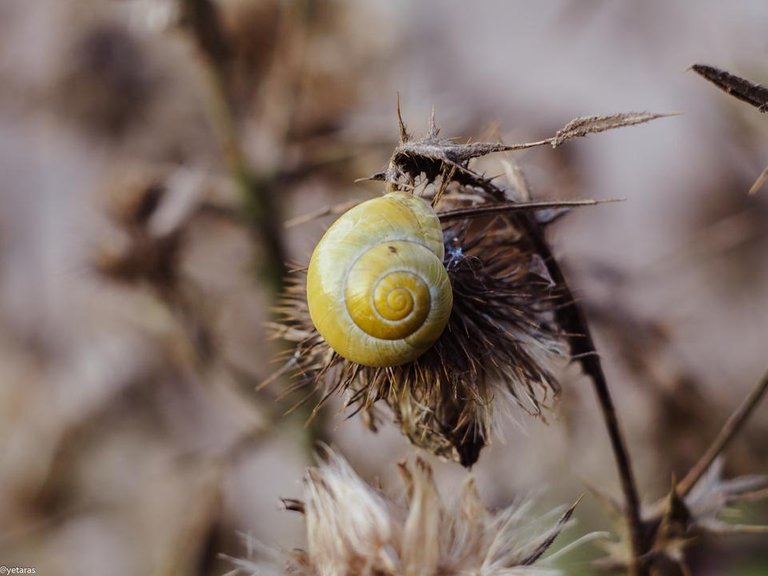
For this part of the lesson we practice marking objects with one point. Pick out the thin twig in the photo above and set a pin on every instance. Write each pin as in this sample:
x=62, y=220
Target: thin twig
x=574, y=322
x=729, y=430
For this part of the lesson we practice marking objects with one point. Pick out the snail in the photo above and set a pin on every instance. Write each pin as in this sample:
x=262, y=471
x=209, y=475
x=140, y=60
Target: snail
x=377, y=289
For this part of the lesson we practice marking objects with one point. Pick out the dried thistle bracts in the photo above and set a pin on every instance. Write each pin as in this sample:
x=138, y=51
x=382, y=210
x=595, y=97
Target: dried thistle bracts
x=498, y=341
x=503, y=333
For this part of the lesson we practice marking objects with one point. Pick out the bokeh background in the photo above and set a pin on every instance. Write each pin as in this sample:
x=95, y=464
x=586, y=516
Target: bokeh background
x=135, y=281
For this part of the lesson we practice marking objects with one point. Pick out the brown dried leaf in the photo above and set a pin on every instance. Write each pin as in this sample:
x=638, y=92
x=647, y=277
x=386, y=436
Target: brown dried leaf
x=744, y=90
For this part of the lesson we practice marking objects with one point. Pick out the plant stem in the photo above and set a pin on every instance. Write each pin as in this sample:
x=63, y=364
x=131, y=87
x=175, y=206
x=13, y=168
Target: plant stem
x=573, y=322
x=572, y=319
x=729, y=430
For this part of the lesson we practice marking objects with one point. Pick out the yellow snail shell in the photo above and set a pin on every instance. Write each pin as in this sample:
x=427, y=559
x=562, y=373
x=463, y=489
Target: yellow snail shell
x=377, y=289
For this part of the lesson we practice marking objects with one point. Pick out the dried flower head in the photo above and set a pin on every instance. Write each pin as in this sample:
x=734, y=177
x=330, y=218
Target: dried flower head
x=504, y=330
x=353, y=529
x=676, y=523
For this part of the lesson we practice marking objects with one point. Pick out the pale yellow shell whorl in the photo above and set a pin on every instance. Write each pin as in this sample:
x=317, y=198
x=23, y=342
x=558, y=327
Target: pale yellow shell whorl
x=376, y=286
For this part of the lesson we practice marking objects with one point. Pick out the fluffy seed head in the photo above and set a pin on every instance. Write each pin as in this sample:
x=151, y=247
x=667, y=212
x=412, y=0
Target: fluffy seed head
x=353, y=529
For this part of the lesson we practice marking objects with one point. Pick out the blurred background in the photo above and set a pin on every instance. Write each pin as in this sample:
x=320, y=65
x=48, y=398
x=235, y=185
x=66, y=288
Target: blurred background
x=151, y=149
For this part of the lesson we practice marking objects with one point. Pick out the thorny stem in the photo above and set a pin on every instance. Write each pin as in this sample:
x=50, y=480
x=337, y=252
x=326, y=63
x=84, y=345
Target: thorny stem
x=729, y=430
x=573, y=320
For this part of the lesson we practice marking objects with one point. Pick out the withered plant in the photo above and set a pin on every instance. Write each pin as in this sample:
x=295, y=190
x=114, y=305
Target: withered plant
x=353, y=528
x=514, y=323
x=513, y=311
x=513, y=315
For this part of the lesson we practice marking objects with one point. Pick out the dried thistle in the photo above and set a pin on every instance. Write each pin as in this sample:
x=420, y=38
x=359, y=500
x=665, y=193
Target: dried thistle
x=504, y=331
x=352, y=528
x=694, y=506
x=686, y=518
x=714, y=497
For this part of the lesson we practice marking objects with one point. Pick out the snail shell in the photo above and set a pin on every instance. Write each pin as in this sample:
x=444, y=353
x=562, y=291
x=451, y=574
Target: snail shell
x=377, y=289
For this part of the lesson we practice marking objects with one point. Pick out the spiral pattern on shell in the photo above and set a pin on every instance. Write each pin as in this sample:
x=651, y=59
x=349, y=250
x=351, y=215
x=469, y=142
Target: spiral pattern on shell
x=377, y=289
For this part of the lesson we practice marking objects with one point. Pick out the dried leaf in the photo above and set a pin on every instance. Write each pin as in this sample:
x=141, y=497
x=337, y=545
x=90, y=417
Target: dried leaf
x=744, y=90
x=449, y=152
